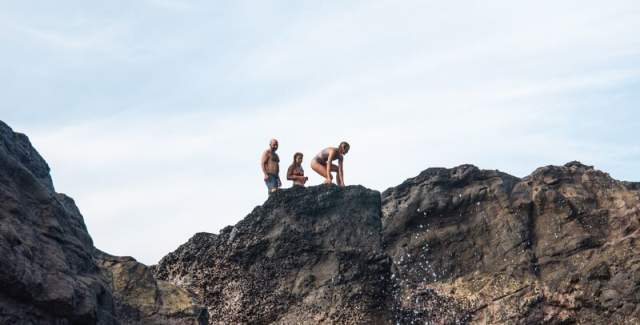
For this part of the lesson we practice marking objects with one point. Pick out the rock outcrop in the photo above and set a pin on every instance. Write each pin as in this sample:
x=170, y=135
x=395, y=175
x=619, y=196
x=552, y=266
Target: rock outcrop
x=50, y=272
x=450, y=246
x=308, y=255
x=141, y=299
x=559, y=246
x=47, y=273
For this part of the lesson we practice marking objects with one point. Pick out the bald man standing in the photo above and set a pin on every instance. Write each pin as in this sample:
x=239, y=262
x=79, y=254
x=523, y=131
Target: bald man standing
x=270, y=163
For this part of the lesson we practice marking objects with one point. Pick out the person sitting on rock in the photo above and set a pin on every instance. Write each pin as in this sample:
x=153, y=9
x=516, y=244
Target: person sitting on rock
x=270, y=163
x=295, y=172
x=322, y=163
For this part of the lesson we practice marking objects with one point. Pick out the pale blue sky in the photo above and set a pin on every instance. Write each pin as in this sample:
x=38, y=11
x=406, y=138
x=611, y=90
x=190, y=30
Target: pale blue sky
x=153, y=114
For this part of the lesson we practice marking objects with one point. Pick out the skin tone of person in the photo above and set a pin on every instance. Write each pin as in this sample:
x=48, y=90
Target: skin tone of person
x=270, y=166
x=295, y=172
x=323, y=163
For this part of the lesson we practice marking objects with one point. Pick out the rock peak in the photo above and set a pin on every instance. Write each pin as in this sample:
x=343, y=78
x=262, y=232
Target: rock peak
x=17, y=148
x=460, y=245
x=307, y=252
x=449, y=246
x=577, y=164
x=50, y=273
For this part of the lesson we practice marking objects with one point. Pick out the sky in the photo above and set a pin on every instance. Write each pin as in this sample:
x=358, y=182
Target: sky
x=153, y=114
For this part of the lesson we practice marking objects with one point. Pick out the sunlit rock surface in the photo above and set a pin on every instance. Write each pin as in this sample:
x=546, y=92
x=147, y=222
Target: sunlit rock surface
x=141, y=299
x=49, y=270
x=450, y=246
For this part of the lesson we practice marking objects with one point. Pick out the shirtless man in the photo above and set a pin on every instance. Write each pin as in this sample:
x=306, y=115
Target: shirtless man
x=322, y=163
x=270, y=167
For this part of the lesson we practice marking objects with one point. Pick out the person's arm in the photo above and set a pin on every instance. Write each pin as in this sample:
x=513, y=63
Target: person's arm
x=329, y=163
x=340, y=172
x=263, y=164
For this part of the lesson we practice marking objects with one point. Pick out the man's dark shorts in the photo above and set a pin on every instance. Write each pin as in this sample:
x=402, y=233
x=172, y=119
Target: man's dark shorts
x=273, y=181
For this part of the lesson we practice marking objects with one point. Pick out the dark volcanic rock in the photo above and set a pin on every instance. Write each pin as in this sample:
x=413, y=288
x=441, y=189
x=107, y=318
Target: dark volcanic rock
x=48, y=269
x=307, y=256
x=18, y=147
x=450, y=246
x=47, y=273
x=557, y=247
x=443, y=225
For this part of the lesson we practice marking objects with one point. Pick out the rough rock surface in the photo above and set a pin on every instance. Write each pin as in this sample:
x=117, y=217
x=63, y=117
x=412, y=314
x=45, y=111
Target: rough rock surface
x=450, y=246
x=306, y=256
x=47, y=273
x=48, y=268
x=557, y=247
x=140, y=298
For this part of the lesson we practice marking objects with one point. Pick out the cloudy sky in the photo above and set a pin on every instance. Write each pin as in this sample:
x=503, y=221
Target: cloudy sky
x=153, y=113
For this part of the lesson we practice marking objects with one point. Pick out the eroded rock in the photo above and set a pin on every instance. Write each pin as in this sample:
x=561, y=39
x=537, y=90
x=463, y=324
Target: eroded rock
x=47, y=272
x=50, y=272
x=450, y=246
x=141, y=299
x=559, y=246
x=307, y=256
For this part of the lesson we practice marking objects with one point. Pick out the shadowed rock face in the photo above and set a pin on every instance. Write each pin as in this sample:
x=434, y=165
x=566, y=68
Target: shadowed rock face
x=450, y=246
x=50, y=272
x=47, y=273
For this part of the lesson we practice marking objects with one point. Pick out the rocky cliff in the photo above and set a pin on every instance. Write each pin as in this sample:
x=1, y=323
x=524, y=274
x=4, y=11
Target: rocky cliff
x=559, y=246
x=309, y=255
x=50, y=272
x=450, y=246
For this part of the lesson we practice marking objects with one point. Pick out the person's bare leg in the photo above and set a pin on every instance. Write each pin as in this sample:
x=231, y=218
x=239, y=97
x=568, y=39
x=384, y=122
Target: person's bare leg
x=319, y=168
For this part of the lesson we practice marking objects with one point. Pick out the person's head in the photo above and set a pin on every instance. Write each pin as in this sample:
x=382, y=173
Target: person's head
x=297, y=158
x=344, y=147
x=273, y=144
